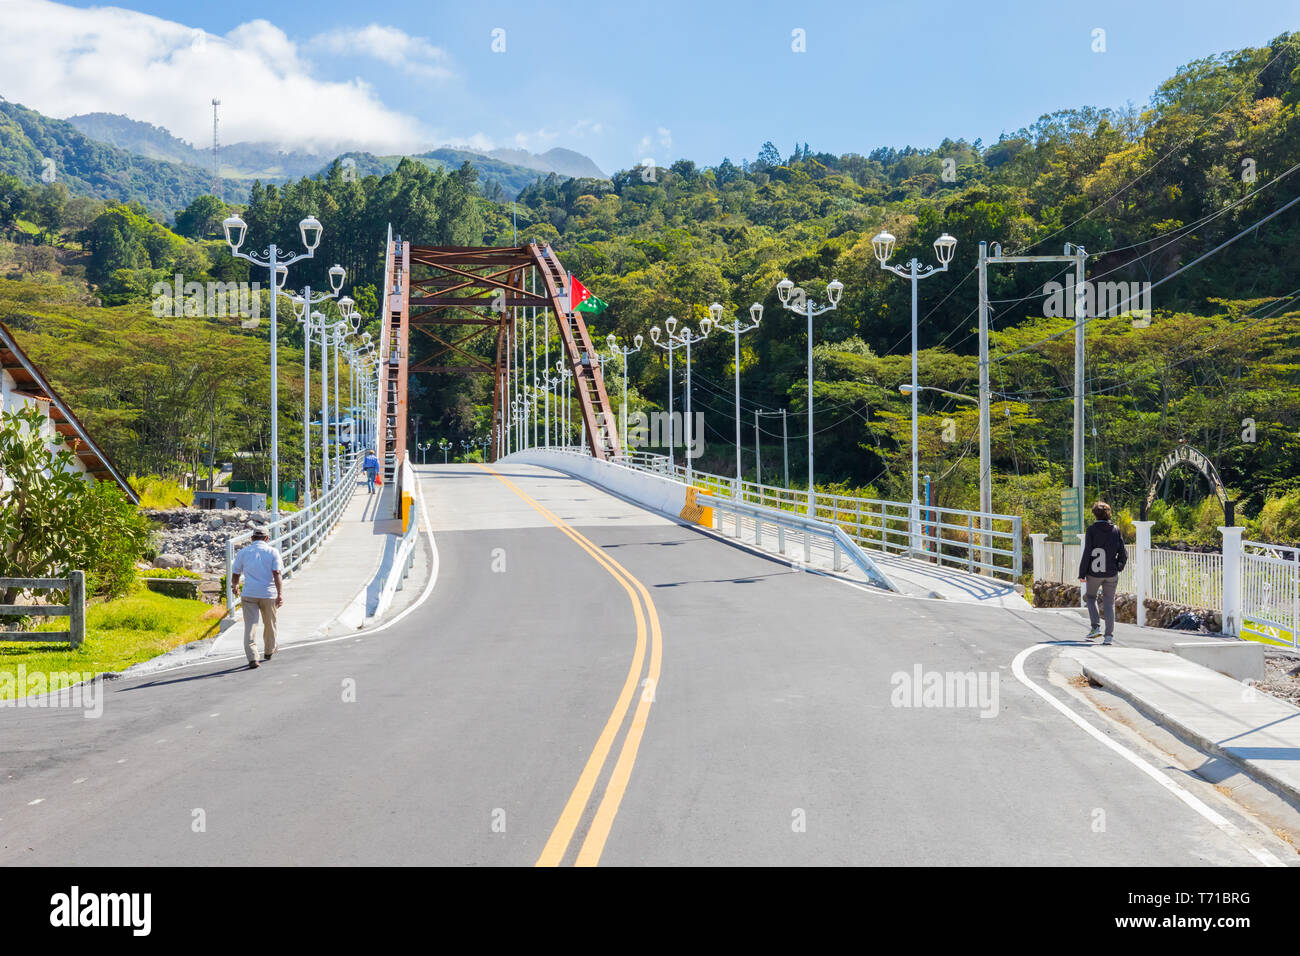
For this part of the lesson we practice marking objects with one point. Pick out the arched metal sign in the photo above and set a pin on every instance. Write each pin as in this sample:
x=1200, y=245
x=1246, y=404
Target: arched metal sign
x=1185, y=454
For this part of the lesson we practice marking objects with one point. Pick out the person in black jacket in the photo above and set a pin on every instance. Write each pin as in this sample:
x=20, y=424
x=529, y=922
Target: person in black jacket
x=1103, y=558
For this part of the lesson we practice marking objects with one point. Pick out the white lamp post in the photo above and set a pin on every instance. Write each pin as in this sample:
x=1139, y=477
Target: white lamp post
x=443, y=444
x=302, y=304
x=735, y=327
x=883, y=246
x=670, y=345
x=624, y=351
x=310, y=230
x=796, y=300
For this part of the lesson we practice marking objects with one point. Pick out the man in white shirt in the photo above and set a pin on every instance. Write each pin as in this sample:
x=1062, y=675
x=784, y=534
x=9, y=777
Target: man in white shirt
x=263, y=592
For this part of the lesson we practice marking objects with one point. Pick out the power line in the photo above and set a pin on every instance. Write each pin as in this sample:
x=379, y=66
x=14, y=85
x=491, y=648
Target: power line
x=1177, y=272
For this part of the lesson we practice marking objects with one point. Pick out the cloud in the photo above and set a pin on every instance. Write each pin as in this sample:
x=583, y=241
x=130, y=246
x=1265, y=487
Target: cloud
x=536, y=139
x=63, y=60
x=663, y=137
x=415, y=56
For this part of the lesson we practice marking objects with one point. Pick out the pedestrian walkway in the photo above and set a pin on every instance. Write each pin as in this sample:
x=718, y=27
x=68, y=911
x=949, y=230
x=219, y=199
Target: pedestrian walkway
x=1224, y=717
x=329, y=595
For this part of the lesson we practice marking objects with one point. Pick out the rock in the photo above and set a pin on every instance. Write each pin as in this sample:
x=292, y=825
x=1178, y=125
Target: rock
x=216, y=522
x=170, y=560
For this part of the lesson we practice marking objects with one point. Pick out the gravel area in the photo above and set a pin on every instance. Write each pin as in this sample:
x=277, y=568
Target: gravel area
x=1282, y=677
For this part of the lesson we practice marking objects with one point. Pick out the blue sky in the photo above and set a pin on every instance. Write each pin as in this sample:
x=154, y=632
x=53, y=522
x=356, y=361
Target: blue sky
x=621, y=82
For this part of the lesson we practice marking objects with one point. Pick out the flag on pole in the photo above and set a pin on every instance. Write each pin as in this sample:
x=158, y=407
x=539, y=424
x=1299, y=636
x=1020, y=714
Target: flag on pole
x=581, y=299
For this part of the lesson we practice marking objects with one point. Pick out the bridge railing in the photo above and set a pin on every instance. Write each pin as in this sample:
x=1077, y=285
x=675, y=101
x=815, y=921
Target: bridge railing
x=969, y=540
x=300, y=534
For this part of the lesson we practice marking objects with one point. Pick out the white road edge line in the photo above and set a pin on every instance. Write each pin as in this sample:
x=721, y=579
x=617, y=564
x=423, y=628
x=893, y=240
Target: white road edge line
x=1182, y=793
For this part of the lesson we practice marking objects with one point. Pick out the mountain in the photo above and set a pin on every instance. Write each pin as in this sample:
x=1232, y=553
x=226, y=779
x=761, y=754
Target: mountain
x=28, y=140
x=512, y=168
x=557, y=160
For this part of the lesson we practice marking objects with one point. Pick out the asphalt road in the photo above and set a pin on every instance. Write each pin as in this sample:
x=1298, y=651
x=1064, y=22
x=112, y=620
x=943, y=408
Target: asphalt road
x=591, y=683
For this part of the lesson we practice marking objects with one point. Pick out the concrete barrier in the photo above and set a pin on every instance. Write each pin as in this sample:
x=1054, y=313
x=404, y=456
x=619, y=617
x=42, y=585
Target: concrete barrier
x=1240, y=660
x=663, y=495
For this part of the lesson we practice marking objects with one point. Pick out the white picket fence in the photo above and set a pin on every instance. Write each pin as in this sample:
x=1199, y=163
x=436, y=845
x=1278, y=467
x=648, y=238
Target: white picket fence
x=1258, y=596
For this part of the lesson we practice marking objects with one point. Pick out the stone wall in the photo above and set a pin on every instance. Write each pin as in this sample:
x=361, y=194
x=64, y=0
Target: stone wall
x=1159, y=613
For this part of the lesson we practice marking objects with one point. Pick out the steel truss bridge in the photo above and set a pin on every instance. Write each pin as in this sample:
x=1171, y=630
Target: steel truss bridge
x=458, y=295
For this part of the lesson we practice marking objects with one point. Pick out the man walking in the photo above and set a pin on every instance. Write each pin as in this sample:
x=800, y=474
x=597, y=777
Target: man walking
x=263, y=592
x=1103, y=558
x=371, y=467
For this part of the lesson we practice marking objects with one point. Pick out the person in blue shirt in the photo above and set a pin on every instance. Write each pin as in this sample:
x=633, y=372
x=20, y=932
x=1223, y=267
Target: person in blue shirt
x=371, y=468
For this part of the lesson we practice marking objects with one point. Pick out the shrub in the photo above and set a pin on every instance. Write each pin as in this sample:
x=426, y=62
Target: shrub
x=52, y=520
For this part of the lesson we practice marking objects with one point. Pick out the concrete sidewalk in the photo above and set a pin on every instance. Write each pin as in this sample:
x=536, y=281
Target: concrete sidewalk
x=1229, y=719
x=330, y=594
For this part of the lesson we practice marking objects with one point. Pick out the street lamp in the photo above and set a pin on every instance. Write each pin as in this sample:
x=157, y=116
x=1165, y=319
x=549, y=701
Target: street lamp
x=565, y=375
x=907, y=389
x=236, y=231
x=883, y=246
x=683, y=339
x=303, y=304
x=443, y=445
x=670, y=345
x=796, y=300
x=624, y=351
x=735, y=327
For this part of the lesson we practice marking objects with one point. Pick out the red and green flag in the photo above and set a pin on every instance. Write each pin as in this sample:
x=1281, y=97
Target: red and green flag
x=581, y=299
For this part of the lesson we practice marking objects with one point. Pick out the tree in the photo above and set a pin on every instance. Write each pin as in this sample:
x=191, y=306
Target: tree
x=201, y=218
x=53, y=521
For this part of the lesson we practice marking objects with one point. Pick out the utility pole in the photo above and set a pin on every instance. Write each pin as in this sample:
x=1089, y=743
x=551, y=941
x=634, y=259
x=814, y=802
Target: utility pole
x=216, y=152
x=1080, y=315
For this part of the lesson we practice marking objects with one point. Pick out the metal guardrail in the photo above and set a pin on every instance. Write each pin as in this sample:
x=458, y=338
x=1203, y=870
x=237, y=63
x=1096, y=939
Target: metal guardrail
x=807, y=528
x=74, y=610
x=949, y=536
x=299, y=534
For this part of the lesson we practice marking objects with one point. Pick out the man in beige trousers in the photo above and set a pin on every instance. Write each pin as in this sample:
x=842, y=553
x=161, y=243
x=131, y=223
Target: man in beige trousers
x=263, y=593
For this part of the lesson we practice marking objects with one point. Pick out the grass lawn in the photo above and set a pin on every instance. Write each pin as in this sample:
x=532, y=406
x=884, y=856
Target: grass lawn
x=119, y=633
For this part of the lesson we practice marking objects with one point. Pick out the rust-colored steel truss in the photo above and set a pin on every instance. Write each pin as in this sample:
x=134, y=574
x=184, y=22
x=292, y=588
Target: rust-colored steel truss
x=458, y=294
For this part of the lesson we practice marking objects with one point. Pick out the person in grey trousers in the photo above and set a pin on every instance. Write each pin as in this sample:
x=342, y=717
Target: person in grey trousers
x=1103, y=558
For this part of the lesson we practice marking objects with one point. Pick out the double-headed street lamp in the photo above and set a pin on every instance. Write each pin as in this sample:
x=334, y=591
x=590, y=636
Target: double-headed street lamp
x=546, y=384
x=669, y=345
x=796, y=300
x=338, y=333
x=685, y=338
x=944, y=246
x=466, y=444
x=736, y=326
x=303, y=305
x=310, y=229
x=443, y=445
x=624, y=351
x=565, y=376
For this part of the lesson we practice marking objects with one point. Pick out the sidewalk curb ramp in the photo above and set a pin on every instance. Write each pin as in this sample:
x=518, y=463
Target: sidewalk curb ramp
x=1228, y=719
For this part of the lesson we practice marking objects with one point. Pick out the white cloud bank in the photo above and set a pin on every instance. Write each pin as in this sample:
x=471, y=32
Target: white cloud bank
x=64, y=60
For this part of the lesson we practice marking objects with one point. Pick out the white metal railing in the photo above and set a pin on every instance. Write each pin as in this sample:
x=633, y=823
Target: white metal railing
x=1185, y=577
x=1270, y=592
x=1061, y=566
x=807, y=529
x=949, y=536
x=299, y=534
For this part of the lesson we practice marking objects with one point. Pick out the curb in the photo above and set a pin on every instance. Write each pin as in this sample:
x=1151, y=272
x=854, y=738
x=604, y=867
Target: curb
x=1189, y=736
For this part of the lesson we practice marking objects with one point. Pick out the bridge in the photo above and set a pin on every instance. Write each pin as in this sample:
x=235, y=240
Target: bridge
x=600, y=659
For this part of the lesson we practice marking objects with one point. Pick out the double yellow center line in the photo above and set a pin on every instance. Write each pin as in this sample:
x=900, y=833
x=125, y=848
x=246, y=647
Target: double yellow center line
x=647, y=624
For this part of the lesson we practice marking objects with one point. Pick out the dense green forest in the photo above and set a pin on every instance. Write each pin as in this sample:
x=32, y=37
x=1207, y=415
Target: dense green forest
x=1146, y=191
